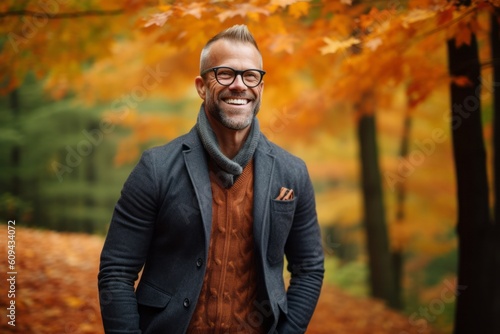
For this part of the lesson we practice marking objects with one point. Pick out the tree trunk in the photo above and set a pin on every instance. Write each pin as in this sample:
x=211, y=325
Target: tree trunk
x=474, y=297
x=379, y=256
x=495, y=55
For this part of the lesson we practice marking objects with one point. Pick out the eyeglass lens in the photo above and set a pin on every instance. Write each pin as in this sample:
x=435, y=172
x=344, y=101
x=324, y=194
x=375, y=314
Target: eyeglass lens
x=226, y=76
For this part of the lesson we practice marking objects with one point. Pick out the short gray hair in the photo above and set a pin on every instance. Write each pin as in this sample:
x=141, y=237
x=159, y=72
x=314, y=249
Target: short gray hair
x=237, y=33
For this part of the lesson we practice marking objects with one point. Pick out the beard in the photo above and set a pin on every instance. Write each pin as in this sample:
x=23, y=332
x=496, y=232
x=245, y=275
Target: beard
x=224, y=116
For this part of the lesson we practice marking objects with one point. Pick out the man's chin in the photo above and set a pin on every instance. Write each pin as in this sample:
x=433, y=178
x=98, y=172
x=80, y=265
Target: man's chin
x=236, y=125
x=236, y=120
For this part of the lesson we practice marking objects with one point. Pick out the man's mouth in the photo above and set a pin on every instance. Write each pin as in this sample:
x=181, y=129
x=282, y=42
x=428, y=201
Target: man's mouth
x=238, y=102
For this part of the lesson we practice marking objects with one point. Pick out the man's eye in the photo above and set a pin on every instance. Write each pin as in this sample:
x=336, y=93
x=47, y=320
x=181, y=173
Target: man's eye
x=225, y=74
x=251, y=76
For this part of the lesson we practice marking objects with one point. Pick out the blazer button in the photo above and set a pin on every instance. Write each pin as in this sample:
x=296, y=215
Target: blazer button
x=199, y=262
x=186, y=303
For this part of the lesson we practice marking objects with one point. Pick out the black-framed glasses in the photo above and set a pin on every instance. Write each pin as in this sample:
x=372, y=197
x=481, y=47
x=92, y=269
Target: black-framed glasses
x=226, y=75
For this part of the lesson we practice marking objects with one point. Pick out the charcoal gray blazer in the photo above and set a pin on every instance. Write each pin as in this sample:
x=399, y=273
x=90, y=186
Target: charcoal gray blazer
x=161, y=225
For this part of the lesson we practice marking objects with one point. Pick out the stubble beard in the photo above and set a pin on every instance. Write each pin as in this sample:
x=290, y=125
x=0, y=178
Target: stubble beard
x=229, y=122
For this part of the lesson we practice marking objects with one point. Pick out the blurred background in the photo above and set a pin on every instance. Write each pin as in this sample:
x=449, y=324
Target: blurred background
x=360, y=90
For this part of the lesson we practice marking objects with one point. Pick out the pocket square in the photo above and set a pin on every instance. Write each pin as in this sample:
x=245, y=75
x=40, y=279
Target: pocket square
x=285, y=194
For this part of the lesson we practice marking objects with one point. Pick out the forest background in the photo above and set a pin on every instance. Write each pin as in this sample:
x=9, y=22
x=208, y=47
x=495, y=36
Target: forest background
x=362, y=91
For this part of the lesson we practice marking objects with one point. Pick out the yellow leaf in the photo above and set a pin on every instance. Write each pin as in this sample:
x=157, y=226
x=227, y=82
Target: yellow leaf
x=299, y=9
x=195, y=9
x=374, y=43
x=73, y=302
x=334, y=46
x=283, y=42
x=242, y=10
x=282, y=3
x=158, y=19
x=164, y=8
x=417, y=15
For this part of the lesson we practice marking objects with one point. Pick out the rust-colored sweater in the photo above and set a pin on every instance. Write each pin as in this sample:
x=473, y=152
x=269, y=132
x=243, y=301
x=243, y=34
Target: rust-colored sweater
x=227, y=299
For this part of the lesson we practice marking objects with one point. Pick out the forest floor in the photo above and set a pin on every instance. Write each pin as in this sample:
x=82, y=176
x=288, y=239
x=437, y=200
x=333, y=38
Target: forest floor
x=56, y=292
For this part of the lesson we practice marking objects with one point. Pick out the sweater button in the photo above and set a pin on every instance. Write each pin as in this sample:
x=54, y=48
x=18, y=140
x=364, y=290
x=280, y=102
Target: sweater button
x=199, y=262
x=186, y=303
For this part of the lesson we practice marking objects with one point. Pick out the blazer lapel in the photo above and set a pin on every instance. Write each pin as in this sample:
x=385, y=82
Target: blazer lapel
x=197, y=167
x=263, y=174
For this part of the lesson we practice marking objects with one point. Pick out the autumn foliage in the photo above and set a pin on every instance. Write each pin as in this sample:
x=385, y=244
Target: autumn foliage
x=329, y=63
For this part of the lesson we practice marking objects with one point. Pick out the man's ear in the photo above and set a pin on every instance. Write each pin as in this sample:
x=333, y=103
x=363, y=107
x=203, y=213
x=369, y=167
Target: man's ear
x=200, y=87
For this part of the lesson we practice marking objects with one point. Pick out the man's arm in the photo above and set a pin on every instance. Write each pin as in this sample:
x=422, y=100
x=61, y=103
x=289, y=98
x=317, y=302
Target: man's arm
x=305, y=257
x=125, y=249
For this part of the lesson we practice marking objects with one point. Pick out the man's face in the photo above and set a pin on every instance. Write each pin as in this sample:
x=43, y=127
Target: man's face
x=234, y=106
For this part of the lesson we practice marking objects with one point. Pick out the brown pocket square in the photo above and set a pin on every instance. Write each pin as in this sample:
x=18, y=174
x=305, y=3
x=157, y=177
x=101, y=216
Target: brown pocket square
x=285, y=194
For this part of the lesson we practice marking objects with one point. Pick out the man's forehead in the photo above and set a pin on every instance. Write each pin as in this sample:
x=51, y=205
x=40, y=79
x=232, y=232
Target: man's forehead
x=225, y=49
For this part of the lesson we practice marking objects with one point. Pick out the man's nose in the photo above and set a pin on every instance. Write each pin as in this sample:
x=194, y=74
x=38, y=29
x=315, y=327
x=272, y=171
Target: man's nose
x=238, y=83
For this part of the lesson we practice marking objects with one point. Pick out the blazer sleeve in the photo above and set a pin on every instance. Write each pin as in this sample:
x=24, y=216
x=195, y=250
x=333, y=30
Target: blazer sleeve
x=125, y=249
x=304, y=253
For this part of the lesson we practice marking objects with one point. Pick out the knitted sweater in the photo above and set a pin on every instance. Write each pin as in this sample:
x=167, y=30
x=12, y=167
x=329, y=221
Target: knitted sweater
x=227, y=299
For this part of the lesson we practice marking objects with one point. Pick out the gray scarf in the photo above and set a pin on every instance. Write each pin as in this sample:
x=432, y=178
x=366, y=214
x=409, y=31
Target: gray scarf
x=227, y=170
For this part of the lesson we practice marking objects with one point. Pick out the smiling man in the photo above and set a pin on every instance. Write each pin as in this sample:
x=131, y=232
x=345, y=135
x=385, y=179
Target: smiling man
x=211, y=216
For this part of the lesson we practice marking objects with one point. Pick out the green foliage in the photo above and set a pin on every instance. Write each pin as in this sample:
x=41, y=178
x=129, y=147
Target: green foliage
x=63, y=177
x=441, y=266
x=351, y=276
x=422, y=289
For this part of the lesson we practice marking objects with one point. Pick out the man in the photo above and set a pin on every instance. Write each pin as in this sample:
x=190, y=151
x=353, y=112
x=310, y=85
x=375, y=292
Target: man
x=210, y=216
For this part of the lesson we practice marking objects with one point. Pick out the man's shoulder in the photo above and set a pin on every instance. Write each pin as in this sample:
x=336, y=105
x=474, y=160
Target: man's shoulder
x=173, y=147
x=279, y=152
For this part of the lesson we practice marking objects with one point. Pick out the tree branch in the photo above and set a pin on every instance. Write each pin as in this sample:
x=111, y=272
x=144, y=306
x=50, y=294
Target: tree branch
x=62, y=15
x=447, y=24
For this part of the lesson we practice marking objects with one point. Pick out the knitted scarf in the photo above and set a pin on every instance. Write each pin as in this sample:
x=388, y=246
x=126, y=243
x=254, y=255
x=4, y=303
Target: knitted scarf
x=227, y=170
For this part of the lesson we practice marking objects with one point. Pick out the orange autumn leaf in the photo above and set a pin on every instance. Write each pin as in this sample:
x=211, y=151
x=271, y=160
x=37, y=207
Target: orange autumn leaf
x=463, y=34
x=445, y=16
x=461, y=81
x=299, y=9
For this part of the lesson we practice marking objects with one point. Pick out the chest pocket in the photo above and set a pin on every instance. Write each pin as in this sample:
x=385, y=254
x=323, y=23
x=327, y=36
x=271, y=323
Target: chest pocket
x=282, y=213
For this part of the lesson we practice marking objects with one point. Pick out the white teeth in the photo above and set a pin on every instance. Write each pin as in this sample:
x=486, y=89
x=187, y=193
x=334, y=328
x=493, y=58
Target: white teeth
x=236, y=101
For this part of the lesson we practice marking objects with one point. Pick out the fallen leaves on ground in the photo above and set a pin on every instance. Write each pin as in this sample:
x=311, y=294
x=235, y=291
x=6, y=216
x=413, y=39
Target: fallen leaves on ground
x=56, y=283
x=56, y=292
x=340, y=313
